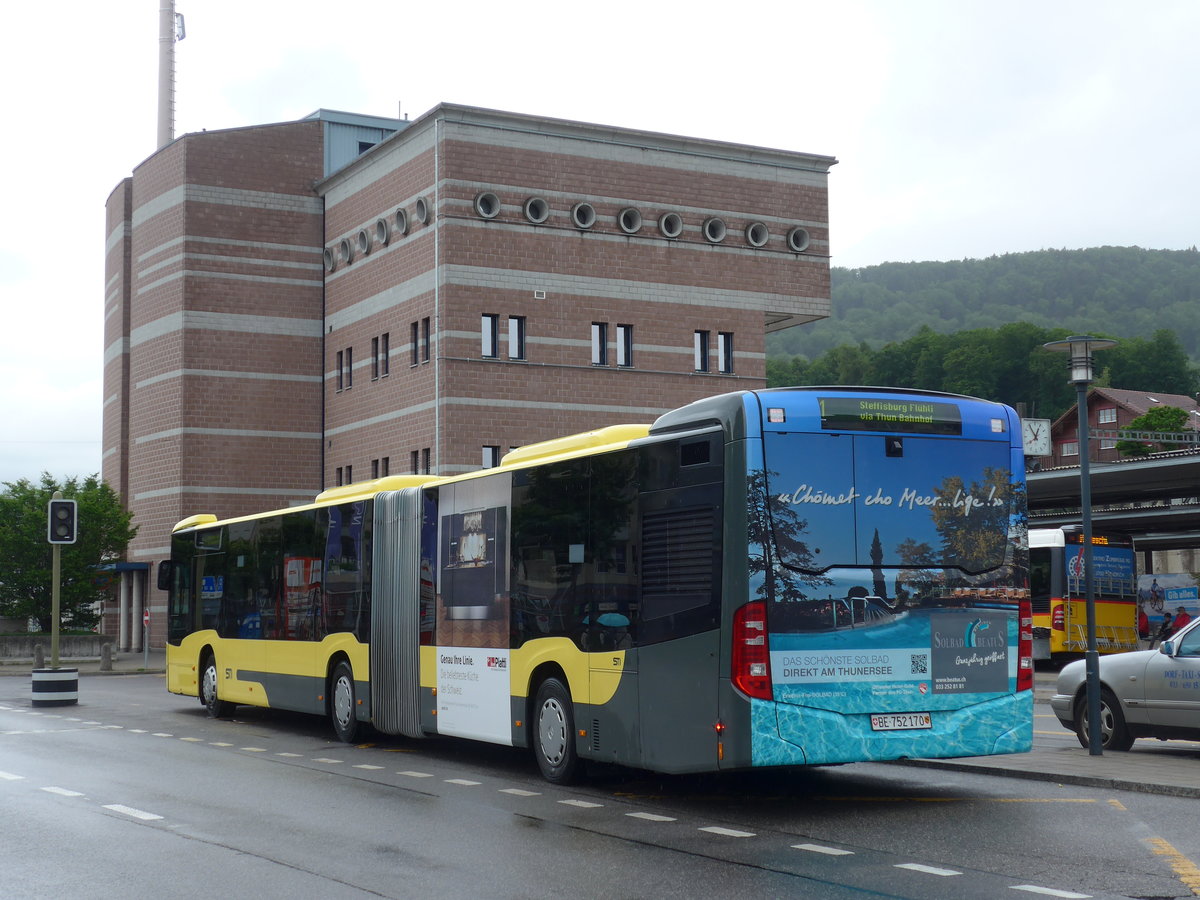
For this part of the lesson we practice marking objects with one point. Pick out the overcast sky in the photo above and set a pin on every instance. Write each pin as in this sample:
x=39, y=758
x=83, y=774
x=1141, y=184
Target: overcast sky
x=962, y=128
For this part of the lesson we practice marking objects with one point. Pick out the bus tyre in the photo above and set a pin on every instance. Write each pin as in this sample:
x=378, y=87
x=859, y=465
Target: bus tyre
x=1114, y=735
x=554, y=733
x=342, y=706
x=217, y=708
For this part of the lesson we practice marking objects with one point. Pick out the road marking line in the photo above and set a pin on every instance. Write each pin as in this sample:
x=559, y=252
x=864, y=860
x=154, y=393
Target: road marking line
x=518, y=792
x=328, y=761
x=416, y=774
x=254, y=749
x=62, y=792
x=1116, y=804
x=290, y=755
x=928, y=870
x=582, y=804
x=727, y=832
x=130, y=811
x=367, y=767
x=193, y=740
x=156, y=734
x=463, y=781
x=220, y=744
x=138, y=731
x=651, y=817
x=9, y=776
x=820, y=848
x=1049, y=892
x=1188, y=871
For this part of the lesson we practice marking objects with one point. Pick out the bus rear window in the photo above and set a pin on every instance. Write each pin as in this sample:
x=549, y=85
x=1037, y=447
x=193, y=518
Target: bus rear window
x=882, y=500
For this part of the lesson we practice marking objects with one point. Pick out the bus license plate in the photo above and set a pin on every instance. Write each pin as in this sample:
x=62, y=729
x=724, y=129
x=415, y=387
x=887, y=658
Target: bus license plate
x=900, y=721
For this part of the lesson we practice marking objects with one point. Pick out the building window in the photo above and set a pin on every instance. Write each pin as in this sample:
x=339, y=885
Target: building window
x=385, y=352
x=374, y=358
x=1106, y=416
x=516, y=337
x=625, y=345
x=349, y=474
x=489, y=335
x=1108, y=444
x=599, y=343
x=385, y=467
x=425, y=461
x=374, y=469
x=491, y=456
x=414, y=460
x=349, y=377
x=725, y=352
x=426, y=340
x=340, y=371
x=700, y=351
x=1070, y=448
x=337, y=476
x=414, y=340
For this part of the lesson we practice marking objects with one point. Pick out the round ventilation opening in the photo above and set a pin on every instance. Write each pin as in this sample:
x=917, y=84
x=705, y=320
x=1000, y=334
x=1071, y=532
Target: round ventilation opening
x=798, y=239
x=670, y=224
x=421, y=210
x=329, y=258
x=757, y=234
x=363, y=242
x=487, y=205
x=345, y=251
x=401, y=220
x=714, y=229
x=630, y=220
x=537, y=210
x=583, y=215
x=383, y=232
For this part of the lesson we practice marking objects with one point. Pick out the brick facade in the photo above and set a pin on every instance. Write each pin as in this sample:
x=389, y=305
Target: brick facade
x=260, y=315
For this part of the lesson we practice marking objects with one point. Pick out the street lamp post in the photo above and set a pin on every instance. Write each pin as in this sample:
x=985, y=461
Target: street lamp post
x=1080, y=347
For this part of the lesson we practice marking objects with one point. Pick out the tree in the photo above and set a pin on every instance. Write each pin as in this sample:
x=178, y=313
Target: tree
x=105, y=530
x=1161, y=418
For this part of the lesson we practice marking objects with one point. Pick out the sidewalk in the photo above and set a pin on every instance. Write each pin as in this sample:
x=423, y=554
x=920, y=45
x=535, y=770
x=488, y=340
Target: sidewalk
x=1170, y=768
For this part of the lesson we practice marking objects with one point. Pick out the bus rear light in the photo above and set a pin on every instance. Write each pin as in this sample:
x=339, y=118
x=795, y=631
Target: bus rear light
x=751, y=654
x=1025, y=647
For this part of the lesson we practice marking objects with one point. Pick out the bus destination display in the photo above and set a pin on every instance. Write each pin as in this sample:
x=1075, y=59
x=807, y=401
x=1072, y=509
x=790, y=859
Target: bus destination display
x=889, y=414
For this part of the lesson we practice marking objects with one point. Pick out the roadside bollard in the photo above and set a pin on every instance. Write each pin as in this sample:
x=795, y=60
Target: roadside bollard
x=106, y=657
x=39, y=656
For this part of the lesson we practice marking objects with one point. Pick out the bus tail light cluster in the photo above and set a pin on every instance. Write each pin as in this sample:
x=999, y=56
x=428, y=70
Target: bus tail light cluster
x=751, y=653
x=1025, y=647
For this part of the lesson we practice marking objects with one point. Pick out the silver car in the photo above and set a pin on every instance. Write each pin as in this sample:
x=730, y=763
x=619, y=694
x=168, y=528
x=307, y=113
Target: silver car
x=1144, y=693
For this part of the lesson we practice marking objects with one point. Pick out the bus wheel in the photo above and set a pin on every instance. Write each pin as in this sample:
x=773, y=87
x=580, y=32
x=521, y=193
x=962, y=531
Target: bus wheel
x=554, y=737
x=1114, y=735
x=342, y=704
x=217, y=708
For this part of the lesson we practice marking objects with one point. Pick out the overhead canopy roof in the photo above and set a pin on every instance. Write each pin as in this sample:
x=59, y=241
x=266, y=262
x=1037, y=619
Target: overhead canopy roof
x=1157, y=499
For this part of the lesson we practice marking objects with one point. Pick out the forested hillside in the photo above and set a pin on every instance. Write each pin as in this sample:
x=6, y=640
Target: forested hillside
x=977, y=327
x=1115, y=291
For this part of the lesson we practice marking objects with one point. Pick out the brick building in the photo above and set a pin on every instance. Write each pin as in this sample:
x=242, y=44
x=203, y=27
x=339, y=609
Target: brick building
x=294, y=306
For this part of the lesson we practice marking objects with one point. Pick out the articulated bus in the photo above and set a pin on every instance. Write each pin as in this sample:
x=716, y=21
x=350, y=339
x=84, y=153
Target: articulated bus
x=1058, y=592
x=763, y=578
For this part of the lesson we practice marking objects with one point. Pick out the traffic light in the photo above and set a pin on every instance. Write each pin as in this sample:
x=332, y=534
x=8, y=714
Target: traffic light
x=62, y=522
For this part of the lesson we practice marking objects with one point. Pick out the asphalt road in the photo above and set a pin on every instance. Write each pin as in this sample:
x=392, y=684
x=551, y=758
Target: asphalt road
x=136, y=790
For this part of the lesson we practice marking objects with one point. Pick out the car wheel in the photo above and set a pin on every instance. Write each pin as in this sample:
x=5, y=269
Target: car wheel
x=1114, y=734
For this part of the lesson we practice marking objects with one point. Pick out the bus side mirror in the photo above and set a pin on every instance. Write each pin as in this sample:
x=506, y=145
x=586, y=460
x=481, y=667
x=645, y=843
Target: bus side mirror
x=164, y=575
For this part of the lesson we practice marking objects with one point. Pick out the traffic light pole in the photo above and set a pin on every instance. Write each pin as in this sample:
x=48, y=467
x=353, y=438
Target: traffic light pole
x=55, y=602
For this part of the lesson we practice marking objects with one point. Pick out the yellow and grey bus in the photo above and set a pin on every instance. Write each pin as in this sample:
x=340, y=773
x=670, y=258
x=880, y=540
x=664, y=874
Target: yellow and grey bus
x=763, y=578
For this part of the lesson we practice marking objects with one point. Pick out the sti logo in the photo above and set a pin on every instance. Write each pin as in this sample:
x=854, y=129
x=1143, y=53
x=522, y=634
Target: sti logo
x=497, y=662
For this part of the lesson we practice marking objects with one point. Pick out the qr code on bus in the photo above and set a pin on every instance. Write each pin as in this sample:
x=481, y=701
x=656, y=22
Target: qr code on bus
x=920, y=664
